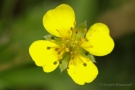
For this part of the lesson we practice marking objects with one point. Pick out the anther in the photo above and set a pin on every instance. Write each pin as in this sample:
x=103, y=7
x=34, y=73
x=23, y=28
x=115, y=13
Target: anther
x=85, y=30
x=84, y=64
x=86, y=53
x=59, y=57
x=76, y=42
x=71, y=52
x=67, y=49
x=56, y=49
x=81, y=38
x=72, y=58
x=87, y=40
x=63, y=45
x=55, y=63
x=58, y=53
x=71, y=28
x=48, y=48
x=67, y=40
x=76, y=31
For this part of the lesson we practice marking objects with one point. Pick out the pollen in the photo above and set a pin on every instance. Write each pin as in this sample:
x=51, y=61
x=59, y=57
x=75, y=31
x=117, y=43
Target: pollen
x=67, y=49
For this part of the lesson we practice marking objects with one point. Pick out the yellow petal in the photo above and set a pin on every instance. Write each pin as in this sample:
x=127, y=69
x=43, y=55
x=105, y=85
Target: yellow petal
x=98, y=41
x=50, y=66
x=82, y=70
x=98, y=28
x=44, y=54
x=59, y=21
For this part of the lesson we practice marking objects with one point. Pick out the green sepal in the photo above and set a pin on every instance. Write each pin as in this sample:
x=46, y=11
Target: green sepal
x=86, y=54
x=49, y=37
x=82, y=29
x=92, y=58
x=82, y=26
x=64, y=62
x=79, y=31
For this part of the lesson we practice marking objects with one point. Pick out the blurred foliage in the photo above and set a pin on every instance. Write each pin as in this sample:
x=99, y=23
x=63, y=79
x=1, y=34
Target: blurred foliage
x=21, y=24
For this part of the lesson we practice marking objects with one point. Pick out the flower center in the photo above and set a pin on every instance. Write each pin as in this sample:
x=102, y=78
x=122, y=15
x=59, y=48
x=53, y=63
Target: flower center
x=69, y=48
x=73, y=45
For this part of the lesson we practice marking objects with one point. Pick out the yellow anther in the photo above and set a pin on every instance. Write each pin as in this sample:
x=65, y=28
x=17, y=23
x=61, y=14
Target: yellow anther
x=63, y=45
x=52, y=40
x=59, y=56
x=67, y=40
x=67, y=49
x=85, y=30
x=76, y=42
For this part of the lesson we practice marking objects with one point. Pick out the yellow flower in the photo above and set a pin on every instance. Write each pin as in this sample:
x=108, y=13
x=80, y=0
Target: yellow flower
x=71, y=47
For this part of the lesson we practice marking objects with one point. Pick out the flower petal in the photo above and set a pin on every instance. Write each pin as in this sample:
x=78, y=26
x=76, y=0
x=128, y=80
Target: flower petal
x=44, y=54
x=98, y=41
x=59, y=21
x=50, y=66
x=82, y=70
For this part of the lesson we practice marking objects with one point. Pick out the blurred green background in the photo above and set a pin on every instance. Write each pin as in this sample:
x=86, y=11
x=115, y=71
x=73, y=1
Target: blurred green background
x=21, y=24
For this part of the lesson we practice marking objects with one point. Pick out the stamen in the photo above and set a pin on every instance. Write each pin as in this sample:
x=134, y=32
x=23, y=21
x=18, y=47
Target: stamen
x=59, y=53
x=67, y=40
x=71, y=52
x=63, y=45
x=59, y=57
x=71, y=28
x=76, y=31
x=67, y=49
x=84, y=64
x=86, y=40
x=72, y=58
x=55, y=63
x=81, y=38
x=56, y=49
x=76, y=42
x=86, y=53
x=60, y=33
x=48, y=48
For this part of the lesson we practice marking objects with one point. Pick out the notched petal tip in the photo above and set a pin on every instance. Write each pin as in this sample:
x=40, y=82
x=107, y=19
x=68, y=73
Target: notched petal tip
x=50, y=66
x=99, y=28
x=43, y=52
x=82, y=70
x=98, y=36
x=58, y=21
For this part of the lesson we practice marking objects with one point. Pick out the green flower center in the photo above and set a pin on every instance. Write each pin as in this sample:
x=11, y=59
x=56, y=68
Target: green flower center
x=73, y=44
x=71, y=47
